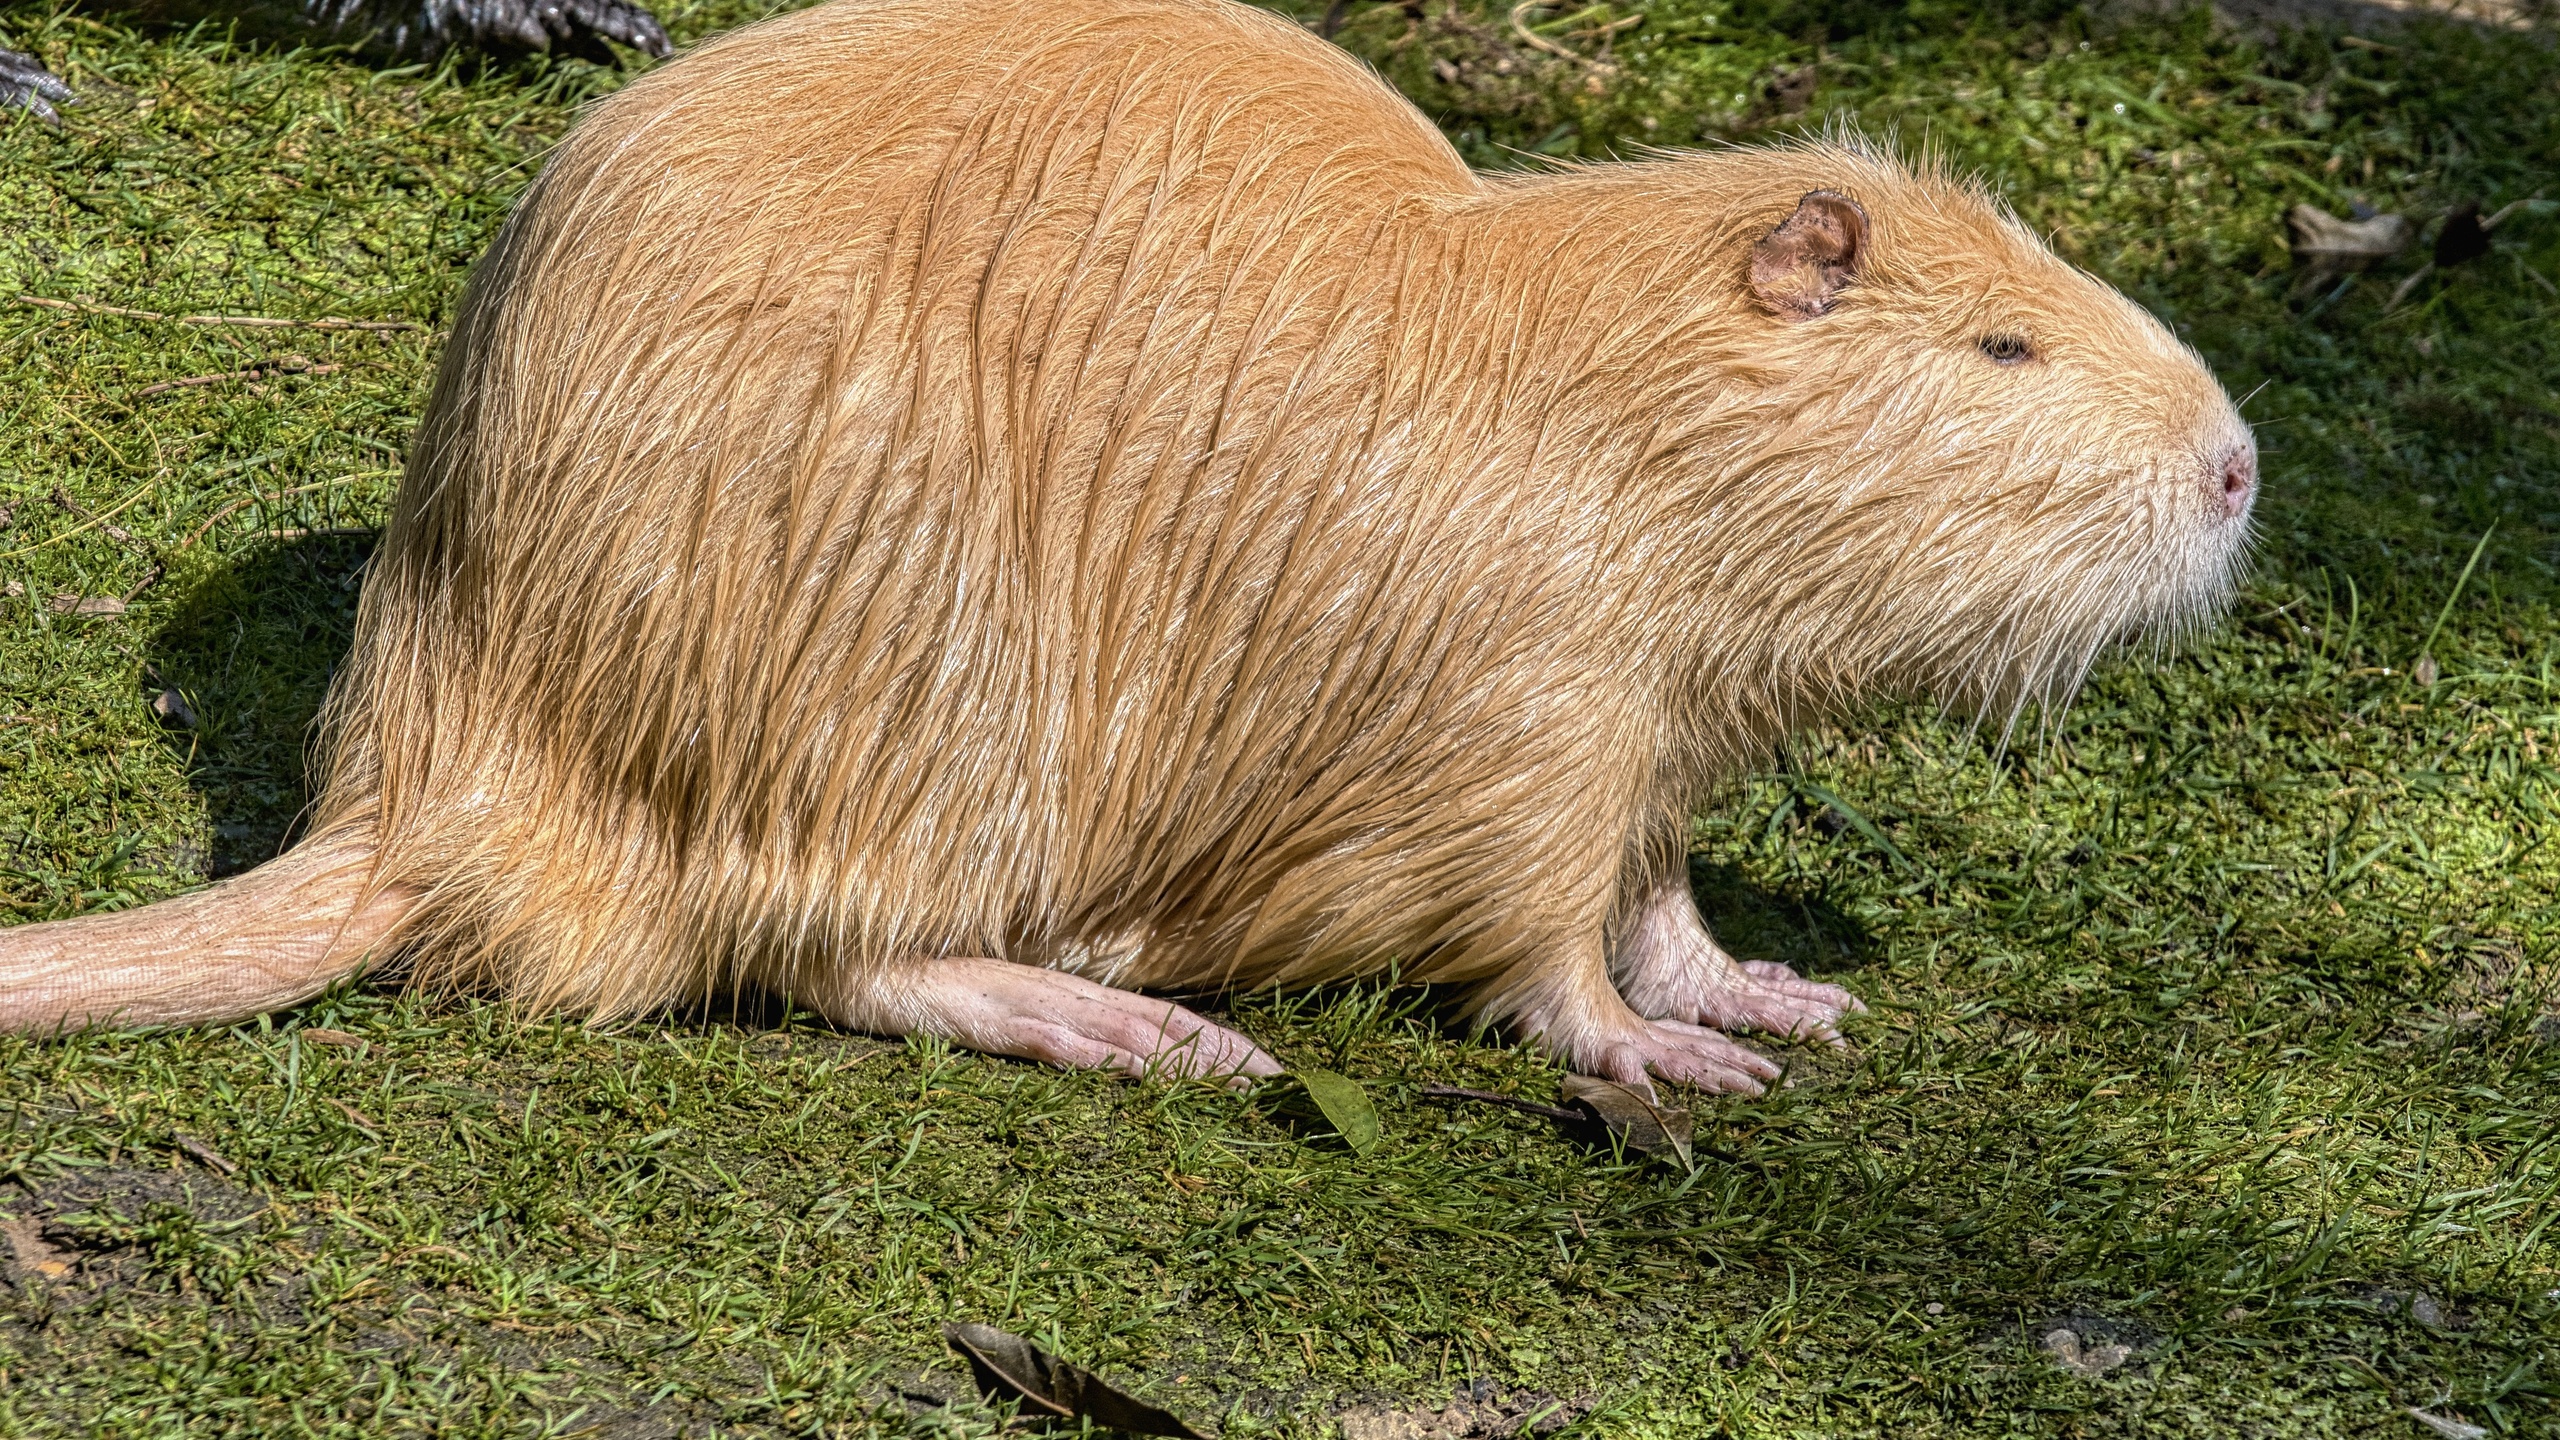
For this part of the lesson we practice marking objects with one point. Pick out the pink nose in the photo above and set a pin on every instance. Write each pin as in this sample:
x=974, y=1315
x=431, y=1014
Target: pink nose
x=2239, y=479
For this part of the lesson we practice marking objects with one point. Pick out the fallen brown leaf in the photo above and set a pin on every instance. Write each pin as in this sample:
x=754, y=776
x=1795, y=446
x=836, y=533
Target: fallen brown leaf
x=1008, y=1367
x=1642, y=1122
x=1598, y=1108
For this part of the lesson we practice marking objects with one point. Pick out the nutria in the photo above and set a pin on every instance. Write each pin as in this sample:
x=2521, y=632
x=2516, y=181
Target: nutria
x=421, y=29
x=959, y=511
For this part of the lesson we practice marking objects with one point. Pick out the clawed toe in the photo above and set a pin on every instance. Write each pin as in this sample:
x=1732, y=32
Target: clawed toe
x=27, y=85
x=623, y=24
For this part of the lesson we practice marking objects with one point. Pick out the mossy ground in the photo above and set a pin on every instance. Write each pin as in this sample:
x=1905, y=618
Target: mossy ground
x=2214, y=1017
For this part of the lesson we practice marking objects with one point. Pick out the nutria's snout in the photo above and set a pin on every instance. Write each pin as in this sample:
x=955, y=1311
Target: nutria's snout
x=2237, y=479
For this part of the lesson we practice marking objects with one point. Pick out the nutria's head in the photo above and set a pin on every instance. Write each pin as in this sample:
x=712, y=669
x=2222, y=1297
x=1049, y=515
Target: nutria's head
x=1998, y=464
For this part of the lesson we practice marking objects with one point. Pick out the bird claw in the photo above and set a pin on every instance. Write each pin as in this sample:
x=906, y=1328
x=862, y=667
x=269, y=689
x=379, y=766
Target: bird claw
x=27, y=85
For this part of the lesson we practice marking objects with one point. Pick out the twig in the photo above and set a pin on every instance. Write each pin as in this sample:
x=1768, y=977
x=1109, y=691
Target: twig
x=2508, y=209
x=149, y=578
x=119, y=508
x=251, y=322
x=290, y=365
x=78, y=511
x=324, y=532
x=2401, y=291
x=236, y=506
x=1531, y=38
x=208, y=1155
x=1491, y=1097
x=1607, y=31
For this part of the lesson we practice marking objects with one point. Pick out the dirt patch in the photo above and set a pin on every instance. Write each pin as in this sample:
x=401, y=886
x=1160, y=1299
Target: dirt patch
x=98, y=1252
x=1481, y=1410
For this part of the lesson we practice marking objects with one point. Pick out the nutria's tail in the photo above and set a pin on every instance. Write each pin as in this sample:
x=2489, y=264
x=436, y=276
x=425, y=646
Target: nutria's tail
x=281, y=933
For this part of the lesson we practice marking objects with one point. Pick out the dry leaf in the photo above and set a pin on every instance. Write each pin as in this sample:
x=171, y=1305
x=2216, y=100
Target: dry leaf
x=2325, y=242
x=31, y=1256
x=318, y=1036
x=1008, y=1367
x=2446, y=1425
x=1617, y=1113
x=1633, y=1117
x=87, y=605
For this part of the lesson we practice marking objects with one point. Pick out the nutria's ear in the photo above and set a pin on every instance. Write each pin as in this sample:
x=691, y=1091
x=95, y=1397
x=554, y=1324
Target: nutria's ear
x=1800, y=267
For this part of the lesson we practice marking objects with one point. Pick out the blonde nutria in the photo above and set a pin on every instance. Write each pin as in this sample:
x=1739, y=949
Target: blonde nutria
x=963, y=510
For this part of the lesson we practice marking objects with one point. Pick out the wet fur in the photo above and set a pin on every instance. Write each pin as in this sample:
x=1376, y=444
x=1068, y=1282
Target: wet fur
x=1106, y=487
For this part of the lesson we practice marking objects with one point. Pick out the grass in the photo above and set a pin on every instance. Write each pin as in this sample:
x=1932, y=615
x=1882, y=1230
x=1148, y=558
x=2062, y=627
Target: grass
x=2214, y=1018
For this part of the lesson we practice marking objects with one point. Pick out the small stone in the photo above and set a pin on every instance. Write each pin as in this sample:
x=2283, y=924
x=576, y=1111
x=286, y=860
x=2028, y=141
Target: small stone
x=2086, y=1361
x=173, y=710
x=1933, y=1308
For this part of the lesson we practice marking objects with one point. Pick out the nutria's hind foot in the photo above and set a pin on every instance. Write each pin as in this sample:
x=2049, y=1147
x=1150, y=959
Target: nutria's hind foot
x=1669, y=968
x=1034, y=1014
x=27, y=85
x=1573, y=1013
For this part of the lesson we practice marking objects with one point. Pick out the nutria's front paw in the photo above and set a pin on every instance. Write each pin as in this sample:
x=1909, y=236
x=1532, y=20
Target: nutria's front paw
x=1670, y=968
x=1685, y=1054
x=29, y=86
x=1753, y=995
x=1589, y=1028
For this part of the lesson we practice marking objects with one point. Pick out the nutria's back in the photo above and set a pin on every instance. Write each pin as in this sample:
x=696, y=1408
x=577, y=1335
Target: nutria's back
x=1107, y=487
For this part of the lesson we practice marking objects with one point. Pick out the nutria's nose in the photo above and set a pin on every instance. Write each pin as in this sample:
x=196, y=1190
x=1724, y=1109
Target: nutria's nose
x=2239, y=479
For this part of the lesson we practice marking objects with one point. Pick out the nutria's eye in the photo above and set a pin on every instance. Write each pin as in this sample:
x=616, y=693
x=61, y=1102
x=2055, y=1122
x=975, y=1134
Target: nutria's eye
x=2006, y=349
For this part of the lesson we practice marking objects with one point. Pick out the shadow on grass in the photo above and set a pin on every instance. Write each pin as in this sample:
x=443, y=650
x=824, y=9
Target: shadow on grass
x=1752, y=922
x=251, y=649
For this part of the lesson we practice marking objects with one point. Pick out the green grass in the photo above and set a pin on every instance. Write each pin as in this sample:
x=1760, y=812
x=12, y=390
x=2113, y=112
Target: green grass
x=2216, y=1016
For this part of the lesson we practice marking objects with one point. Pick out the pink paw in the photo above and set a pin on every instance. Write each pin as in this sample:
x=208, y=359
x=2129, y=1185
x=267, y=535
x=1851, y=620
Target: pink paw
x=1684, y=1054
